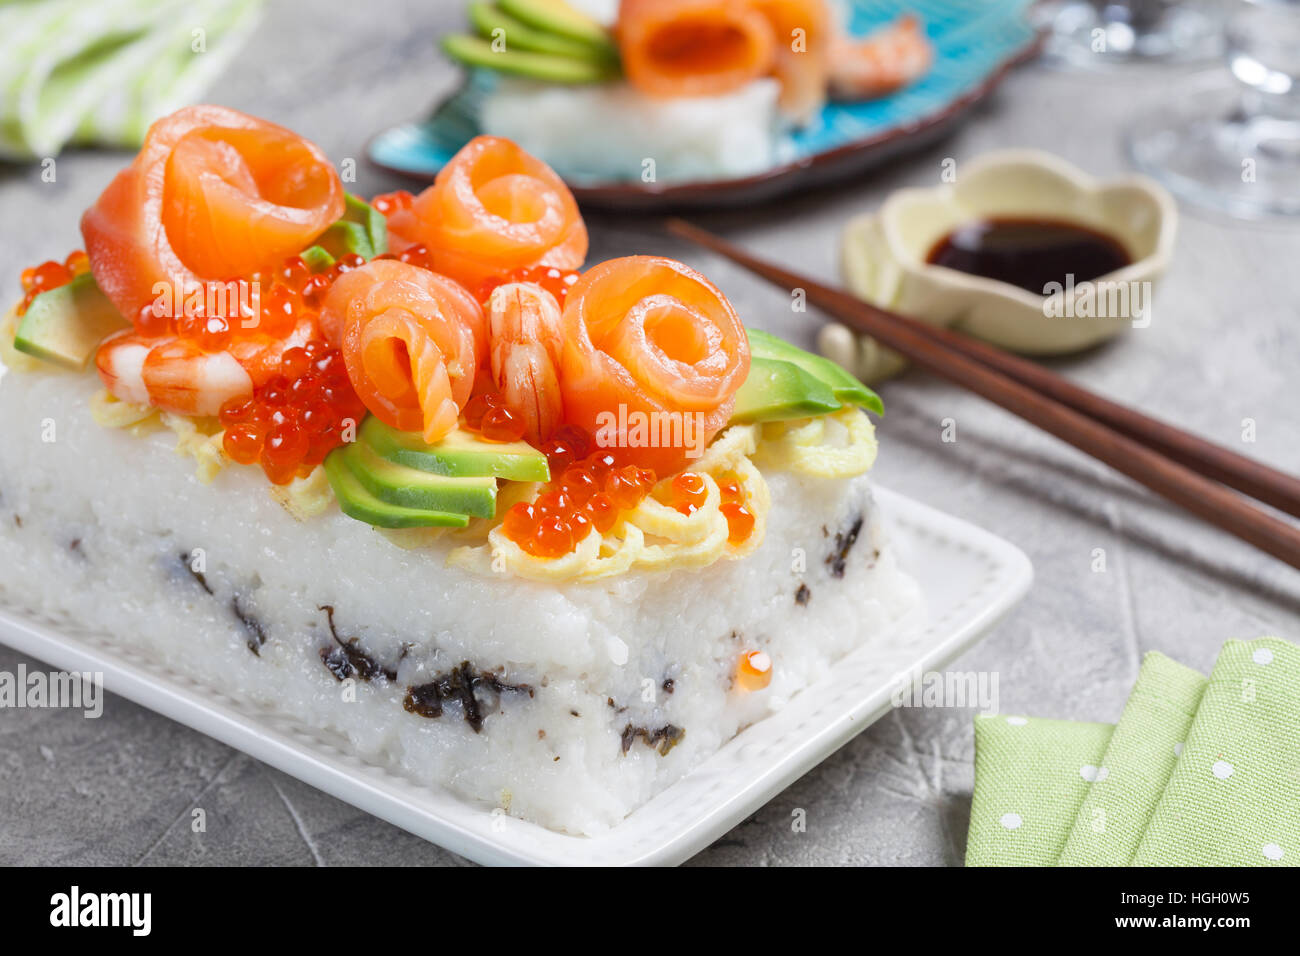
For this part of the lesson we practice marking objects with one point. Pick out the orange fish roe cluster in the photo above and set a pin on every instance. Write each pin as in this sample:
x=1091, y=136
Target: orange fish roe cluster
x=487, y=414
x=687, y=494
x=588, y=489
x=285, y=296
x=388, y=203
x=416, y=255
x=50, y=275
x=292, y=422
x=753, y=670
x=740, y=520
x=555, y=281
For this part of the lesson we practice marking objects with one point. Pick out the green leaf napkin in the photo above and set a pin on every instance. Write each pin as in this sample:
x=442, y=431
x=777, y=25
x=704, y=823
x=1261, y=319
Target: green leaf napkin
x=100, y=71
x=1196, y=772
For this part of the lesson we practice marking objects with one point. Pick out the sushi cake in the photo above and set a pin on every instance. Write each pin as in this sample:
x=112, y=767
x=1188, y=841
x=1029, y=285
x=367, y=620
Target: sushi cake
x=679, y=90
x=413, y=476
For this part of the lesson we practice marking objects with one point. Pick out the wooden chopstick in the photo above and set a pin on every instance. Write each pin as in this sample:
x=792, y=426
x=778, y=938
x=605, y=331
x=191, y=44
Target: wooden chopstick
x=1019, y=393
x=1254, y=478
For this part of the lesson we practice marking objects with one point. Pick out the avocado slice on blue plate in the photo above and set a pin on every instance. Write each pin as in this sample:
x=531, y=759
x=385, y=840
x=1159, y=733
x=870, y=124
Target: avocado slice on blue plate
x=477, y=52
x=559, y=17
x=491, y=21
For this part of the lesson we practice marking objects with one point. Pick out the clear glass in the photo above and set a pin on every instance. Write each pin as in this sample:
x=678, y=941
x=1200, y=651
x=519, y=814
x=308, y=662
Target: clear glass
x=1231, y=141
x=1097, y=34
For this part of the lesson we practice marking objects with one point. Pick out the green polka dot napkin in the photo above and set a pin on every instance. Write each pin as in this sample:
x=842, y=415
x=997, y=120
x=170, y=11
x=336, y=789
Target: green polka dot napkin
x=100, y=71
x=1136, y=766
x=1234, y=796
x=1030, y=780
x=1196, y=772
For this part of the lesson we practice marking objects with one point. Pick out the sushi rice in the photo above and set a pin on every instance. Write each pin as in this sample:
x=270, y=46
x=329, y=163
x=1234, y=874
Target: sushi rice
x=630, y=680
x=636, y=136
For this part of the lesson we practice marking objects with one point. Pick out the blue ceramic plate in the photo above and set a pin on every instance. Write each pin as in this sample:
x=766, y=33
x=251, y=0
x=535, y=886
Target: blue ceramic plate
x=976, y=42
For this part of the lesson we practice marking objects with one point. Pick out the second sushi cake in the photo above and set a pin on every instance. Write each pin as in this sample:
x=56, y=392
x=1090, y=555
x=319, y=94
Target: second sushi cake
x=406, y=473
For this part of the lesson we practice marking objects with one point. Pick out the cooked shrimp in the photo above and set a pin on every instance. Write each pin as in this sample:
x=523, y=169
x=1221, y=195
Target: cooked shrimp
x=525, y=337
x=260, y=355
x=170, y=373
x=885, y=61
x=412, y=341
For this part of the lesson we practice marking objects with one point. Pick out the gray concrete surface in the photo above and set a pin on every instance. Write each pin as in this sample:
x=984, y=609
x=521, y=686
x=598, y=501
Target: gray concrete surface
x=1223, y=347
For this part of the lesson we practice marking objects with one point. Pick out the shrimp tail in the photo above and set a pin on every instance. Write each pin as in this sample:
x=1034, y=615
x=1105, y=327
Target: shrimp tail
x=526, y=333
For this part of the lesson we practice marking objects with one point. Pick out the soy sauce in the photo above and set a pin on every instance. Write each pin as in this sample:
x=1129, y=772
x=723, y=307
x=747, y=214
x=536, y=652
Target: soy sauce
x=1029, y=253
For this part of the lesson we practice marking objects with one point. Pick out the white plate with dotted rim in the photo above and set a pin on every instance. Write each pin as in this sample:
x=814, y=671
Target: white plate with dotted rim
x=969, y=579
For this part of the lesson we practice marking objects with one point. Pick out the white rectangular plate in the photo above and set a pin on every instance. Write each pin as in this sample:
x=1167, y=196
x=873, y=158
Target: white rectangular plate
x=969, y=579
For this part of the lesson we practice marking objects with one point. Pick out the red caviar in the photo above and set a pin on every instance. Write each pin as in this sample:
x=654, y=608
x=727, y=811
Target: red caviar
x=740, y=520
x=753, y=670
x=689, y=492
x=500, y=424
x=486, y=414
x=416, y=255
x=50, y=275
x=555, y=281
x=285, y=295
x=296, y=418
x=389, y=203
x=587, y=490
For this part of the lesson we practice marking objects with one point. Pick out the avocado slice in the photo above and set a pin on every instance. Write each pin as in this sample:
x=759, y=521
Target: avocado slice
x=846, y=388
x=396, y=484
x=356, y=502
x=356, y=209
x=362, y=230
x=776, y=391
x=477, y=52
x=317, y=259
x=66, y=324
x=460, y=454
x=557, y=16
x=345, y=238
x=488, y=18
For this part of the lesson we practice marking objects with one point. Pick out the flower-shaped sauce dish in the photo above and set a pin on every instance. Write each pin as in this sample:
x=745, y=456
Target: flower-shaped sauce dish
x=1021, y=249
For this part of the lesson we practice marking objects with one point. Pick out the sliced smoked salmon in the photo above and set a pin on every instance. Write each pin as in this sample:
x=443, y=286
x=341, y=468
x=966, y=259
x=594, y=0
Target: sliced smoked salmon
x=693, y=47
x=492, y=210
x=801, y=61
x=214, y=194
x=412, y=342
x=653, y=355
